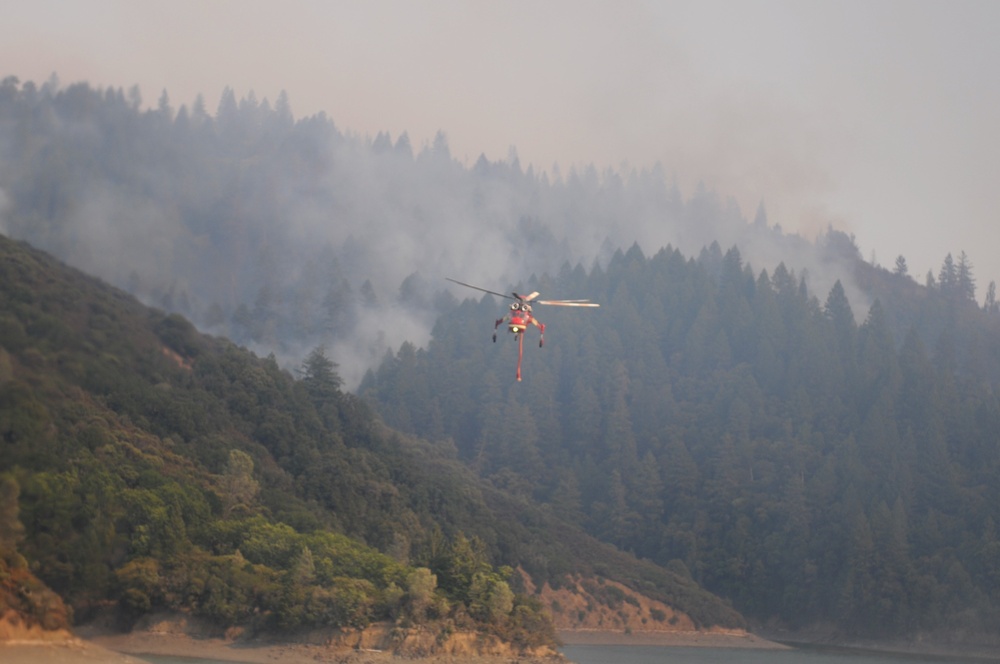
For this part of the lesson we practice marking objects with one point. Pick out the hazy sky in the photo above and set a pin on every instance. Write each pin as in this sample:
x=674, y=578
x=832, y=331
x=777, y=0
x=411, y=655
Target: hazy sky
x=880, y=117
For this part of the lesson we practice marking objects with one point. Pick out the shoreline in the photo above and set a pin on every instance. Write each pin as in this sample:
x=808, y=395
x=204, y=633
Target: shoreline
x=708, y=639
x=111, y=648
x=130, y=648
x=970, y=652
x=133, y=648
x=959, y=652
x=137, y=644
x=66, y=651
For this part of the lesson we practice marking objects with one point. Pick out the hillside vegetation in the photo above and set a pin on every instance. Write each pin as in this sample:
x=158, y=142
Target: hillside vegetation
x=149, y=467
x=803, y=432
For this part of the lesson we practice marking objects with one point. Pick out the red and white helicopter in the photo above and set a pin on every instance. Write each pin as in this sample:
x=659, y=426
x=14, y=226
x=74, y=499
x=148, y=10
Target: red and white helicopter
x=520, y=316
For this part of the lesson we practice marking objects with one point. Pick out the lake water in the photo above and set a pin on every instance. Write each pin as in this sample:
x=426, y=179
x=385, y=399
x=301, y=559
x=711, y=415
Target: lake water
x=678, y=655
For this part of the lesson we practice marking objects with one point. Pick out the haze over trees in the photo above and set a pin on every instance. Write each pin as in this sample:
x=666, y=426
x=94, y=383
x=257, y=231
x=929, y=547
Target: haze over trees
x=285, y=234
x=801, y=431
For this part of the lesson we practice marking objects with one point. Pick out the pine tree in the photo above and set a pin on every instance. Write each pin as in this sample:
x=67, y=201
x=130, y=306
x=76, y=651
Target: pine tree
x=965, y=283
x=990, y=304
x=320, y=376
x=901, y=268
x=948, y=276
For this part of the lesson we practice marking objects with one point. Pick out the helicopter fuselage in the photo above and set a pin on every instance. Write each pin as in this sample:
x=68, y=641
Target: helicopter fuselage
x=519, y=317
x=519, y=321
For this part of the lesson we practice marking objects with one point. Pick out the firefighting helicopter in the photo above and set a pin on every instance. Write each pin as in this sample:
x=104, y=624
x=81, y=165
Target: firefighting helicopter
x=520, y=317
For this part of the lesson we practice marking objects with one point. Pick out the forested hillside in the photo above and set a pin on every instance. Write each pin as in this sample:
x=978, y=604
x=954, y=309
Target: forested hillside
x=801, y=431
x=144, y=466
x=812, y=467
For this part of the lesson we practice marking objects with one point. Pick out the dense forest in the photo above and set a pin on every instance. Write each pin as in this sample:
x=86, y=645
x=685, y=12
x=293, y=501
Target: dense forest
x=812, y=468
x=810, y=435
x=144, y=466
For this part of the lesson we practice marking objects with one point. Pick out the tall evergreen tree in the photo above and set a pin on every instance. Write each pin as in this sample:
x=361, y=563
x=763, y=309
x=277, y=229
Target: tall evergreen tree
x=964, y=281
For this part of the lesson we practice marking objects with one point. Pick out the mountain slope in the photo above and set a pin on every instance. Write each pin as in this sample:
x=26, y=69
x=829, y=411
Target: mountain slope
x=161, y=468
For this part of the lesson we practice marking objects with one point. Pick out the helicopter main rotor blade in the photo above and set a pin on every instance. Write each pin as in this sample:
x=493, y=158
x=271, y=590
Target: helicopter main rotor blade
x=528, y=298
x=569, y=303
x=461, y=283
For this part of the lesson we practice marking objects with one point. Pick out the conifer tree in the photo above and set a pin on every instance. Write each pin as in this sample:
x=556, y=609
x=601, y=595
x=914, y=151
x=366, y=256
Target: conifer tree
x=320, y=376
x=901, y=268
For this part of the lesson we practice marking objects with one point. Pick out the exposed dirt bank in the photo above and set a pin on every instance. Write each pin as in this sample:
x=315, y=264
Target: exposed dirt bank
x=273, y=652
x=179, y=635
x=596, y=611
x=75, y=651
x=21, y=643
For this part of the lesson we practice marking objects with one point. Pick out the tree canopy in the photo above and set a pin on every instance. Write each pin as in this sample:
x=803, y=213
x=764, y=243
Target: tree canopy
x=803, y=464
